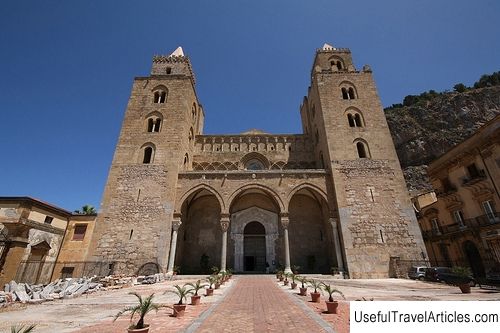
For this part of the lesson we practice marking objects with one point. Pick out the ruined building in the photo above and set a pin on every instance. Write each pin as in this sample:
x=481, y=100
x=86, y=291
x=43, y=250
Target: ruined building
x=333, y=196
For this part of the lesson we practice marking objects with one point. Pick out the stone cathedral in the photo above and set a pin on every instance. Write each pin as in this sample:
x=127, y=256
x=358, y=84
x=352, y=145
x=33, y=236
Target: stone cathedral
x=332, y=196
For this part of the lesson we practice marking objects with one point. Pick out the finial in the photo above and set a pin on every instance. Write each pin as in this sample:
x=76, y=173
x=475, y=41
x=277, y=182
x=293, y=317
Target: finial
x=327, y=47
x=178, y=52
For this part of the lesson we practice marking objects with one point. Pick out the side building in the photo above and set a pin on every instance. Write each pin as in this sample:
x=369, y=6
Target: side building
x=40, y=242
x=333, y=196
x=462, y=228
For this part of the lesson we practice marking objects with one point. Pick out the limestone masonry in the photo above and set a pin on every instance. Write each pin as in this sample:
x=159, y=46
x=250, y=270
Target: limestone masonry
x=331, y=197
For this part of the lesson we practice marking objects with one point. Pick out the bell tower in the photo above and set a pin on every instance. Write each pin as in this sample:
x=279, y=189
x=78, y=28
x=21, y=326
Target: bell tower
x=345, y=119
x=156, y=142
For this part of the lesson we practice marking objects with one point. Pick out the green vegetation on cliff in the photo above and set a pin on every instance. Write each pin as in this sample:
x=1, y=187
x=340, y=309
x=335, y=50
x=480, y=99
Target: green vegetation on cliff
x=425, y=126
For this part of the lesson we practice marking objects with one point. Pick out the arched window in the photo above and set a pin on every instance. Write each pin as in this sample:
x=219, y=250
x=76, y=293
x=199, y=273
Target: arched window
x=339, y=65
x=191, y=135
x=160, y=94
x=153, y=122
x=186, y=161
x=193, y=111
x=348, y=90
x=362, y=150
x=148, y=155
x=254, y=164
x=350, y=118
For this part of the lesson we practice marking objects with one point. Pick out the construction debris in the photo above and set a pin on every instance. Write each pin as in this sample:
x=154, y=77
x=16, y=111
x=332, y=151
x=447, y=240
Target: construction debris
x=69, y=287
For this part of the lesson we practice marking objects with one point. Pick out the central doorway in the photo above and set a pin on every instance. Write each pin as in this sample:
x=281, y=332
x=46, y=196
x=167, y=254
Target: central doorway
x=254, y=247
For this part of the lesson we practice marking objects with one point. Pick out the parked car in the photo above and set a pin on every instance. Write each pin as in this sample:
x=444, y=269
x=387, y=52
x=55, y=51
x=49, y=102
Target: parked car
x=492, y=280
x=417, y=272
x=445, y=274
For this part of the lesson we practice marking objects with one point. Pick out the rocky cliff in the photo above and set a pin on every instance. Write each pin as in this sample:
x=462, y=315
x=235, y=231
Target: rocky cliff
x=431, y=126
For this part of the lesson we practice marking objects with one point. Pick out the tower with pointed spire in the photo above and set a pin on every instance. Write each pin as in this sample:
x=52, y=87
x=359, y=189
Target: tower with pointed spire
x=156, y=142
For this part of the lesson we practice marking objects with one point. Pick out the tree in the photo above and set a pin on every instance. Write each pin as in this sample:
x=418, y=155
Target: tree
x=86, y=210
x=459, y=87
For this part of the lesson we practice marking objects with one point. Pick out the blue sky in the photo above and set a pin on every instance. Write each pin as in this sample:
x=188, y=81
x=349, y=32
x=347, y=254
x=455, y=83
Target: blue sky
x=66, y=69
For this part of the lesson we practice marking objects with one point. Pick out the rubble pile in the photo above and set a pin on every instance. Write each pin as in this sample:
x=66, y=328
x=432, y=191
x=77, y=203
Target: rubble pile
x=70, y=287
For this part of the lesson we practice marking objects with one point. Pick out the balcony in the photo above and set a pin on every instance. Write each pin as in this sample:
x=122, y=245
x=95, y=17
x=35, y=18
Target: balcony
x=476, y=223
x=474, y=178
x=446, y=191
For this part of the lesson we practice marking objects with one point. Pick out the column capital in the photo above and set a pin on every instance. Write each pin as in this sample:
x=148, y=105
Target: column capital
x=333, y=221
x=176, y=224
x=285, y=220
x=224, y=222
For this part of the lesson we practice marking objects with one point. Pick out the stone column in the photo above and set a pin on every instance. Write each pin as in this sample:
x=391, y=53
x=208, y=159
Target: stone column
x=336, y=243
x=285, y=222
x=176, y=223
x=224, y=224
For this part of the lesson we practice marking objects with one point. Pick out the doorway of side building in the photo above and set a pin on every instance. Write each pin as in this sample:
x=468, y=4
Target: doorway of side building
x=254, y=247
x=474, y=258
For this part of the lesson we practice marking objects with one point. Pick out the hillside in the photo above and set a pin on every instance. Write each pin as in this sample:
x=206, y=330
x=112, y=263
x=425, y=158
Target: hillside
x=430, y=124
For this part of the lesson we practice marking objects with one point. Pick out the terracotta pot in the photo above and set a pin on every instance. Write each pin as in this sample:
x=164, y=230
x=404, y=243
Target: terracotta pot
x=315, y=297
x=195, y=300
x=285, y=283
x=179, y=310
x=139, y=330
x=210, y=292
x=303, y=291
x=465, y=288
x=217, y=285
x=293, y=285
x=331, y=307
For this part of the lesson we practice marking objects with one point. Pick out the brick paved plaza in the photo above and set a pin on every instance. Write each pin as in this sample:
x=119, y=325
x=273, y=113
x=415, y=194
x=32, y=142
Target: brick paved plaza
x=253, y=303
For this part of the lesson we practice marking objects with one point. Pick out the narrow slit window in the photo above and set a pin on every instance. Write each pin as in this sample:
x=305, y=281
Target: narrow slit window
x=361, y=150
x=357, y=120
x=345, y=95
x=351, y=120
x=148, y=155
x=351, y=93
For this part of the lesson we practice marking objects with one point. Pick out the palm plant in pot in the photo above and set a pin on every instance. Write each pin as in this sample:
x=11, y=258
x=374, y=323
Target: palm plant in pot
x=331, y=304
x=22, y=328
x=145, y=306
x=285, y=281
x=279, y=275
x=463, y=278
x=294, y=277
x=196, y=286
x=217, y=281
x=182, y=292
x=211, y=281
x=303, y=287
x=315, y=295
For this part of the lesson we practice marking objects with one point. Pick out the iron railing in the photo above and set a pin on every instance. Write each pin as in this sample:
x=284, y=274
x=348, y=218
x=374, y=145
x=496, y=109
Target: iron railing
x=467, y=225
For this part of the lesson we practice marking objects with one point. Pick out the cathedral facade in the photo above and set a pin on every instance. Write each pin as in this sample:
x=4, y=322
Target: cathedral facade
x=331, y=197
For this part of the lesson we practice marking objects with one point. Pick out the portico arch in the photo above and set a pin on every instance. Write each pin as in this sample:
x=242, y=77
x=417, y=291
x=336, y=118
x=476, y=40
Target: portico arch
x=196, y=189
x=257, y=187
x=313, y=189
x=314, y=235
x=198, y=234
